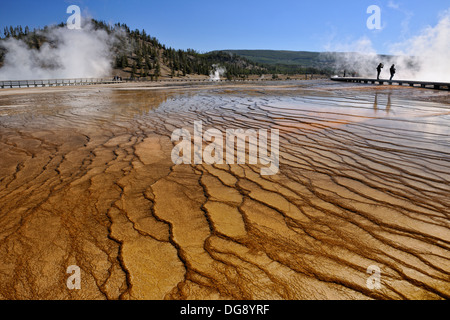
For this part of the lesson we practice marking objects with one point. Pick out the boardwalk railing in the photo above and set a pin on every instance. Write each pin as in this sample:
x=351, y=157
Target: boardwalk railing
x=9, y=84
x=54, y=82
x=90, y=81
x=420, y=84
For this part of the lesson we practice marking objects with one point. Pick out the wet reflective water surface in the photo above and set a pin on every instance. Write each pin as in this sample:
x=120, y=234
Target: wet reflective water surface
x=86, y=179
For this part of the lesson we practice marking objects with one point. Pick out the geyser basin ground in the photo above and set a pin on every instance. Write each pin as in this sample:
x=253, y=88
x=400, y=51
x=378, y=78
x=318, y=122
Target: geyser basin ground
x=86, y=179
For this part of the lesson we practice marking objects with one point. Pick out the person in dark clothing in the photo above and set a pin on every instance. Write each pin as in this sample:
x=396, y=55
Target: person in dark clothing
x=393, y=70
x=380, y=66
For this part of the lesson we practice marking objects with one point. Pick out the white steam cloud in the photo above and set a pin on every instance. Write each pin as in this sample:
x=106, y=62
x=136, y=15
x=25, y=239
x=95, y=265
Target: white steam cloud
x=429, y=51
x=217, y=73
x=84, y=53
x=423, y=57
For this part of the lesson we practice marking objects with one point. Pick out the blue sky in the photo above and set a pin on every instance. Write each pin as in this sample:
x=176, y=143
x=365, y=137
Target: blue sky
x=205, y=25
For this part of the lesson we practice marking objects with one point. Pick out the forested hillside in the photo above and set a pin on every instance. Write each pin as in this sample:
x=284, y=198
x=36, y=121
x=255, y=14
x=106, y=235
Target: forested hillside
x=136, y=54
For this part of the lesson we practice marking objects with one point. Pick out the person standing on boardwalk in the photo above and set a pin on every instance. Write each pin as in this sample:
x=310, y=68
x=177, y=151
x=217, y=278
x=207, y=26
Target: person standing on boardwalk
x=380, y=66
x=393, y=70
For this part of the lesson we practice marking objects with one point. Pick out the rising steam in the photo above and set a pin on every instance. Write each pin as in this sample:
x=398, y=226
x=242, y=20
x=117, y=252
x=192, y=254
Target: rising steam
x=84, y=53
x=423, y=57
x=217, y=72
x=429, y=50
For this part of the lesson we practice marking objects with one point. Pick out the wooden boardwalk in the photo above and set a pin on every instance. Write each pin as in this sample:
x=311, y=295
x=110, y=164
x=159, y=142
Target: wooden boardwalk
x=54, y=83
x=10, y=84
x=420, y=84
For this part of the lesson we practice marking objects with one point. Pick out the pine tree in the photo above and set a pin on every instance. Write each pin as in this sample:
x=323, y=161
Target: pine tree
x=133, y=70
x=157, y=70
x=138, y=62
x=118, y=62
x=124, y=61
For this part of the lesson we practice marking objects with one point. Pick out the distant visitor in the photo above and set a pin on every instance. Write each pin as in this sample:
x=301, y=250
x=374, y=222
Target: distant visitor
x=380, y=66
x=393, y=70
